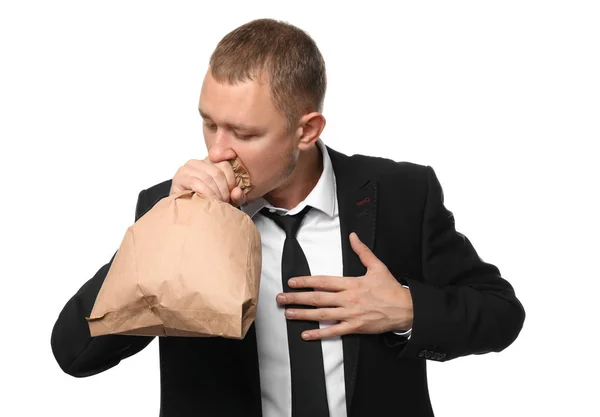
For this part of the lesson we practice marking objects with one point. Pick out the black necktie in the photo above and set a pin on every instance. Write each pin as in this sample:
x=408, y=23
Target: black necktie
x=309, y=395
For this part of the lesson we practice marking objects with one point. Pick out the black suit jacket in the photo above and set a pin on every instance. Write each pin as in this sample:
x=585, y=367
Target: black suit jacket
x=462, y=306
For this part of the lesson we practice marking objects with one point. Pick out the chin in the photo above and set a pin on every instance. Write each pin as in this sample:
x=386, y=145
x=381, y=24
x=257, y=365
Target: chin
x=255, y=194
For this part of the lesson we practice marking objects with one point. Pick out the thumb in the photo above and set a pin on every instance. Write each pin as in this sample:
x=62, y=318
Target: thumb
x=367, y=257
x=238, y=197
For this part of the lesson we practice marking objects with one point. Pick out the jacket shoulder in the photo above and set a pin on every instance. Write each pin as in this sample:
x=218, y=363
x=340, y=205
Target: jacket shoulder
x=148, y=197
x=387, y=169
x=159, y=190
x=387, y=165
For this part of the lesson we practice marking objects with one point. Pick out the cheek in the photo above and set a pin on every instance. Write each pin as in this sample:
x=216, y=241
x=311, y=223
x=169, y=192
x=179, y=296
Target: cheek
x=268, y=164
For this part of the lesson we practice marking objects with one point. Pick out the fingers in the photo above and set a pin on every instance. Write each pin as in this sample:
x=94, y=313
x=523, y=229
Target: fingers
x=227, y=170
x=339, y=329
x=312, y=298
x=202, y=187
x=238, y=197
x=205, y=184
x=218, y=177
x=322, y=282
x=367, y=257
x=207, y=179
x=317, y=314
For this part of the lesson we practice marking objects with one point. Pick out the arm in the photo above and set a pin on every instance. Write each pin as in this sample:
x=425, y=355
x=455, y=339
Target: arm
x=79, y=354
x=462, y=306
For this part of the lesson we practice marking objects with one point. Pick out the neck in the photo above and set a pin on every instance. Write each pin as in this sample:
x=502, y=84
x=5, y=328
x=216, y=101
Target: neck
x=300, y=182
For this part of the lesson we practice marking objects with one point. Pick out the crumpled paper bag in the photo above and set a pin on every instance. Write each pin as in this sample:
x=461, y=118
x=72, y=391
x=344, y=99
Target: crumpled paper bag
x=189, y=267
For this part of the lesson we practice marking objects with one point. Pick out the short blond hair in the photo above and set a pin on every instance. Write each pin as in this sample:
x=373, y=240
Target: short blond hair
x=287, y=55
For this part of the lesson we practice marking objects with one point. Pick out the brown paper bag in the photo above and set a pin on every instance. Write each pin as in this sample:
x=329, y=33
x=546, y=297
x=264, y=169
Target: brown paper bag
x=189, y=267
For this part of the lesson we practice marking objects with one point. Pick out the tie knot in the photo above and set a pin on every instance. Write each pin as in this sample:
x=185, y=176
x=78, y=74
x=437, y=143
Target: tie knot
x=290, y=224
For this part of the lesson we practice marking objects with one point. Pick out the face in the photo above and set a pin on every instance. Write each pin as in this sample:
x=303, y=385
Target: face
x=241, y=120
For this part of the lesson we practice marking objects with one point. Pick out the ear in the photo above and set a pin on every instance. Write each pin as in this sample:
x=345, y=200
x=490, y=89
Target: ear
x=310, y=128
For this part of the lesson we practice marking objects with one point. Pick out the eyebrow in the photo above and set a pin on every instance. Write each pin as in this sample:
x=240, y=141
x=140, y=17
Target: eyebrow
x=234, y=126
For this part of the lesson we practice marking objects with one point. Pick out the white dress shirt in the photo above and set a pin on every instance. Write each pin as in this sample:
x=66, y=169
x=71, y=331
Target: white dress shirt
x=319, y=236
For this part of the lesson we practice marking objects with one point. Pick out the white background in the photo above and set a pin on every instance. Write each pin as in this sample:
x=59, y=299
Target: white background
x=98, y=100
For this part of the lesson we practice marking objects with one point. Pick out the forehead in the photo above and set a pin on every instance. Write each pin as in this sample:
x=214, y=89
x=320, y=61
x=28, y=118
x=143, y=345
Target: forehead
x=241, y=102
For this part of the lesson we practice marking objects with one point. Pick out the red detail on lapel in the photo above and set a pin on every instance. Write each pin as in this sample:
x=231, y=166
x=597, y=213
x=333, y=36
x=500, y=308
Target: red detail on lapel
x=365, y=201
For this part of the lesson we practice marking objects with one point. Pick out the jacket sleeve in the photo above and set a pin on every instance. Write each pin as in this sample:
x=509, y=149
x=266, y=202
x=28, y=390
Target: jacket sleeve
x=77, y=353
x=462, y=305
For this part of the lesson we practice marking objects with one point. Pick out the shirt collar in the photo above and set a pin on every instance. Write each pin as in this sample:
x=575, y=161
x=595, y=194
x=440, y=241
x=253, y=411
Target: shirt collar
x=322, y=197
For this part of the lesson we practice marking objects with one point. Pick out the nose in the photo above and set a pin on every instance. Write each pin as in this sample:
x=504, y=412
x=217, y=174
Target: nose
x=220, y=150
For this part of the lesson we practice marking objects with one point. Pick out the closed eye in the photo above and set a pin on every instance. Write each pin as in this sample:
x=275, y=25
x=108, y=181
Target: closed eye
x=210, y=126
x=243, y=137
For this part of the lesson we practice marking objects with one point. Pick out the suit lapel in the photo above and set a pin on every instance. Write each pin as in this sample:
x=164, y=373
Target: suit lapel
x=357, y=201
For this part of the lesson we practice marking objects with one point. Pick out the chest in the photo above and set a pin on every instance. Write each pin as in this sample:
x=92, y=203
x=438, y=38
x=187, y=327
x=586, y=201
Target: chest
x=320, y=240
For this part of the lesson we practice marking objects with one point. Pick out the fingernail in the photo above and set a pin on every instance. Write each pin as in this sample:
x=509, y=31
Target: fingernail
x=281, y=298
x=290, y=313
x=292, y=282
x=305, y=336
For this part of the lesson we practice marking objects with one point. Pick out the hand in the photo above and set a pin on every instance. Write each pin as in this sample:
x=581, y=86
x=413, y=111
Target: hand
x=209, y=179
x=373, y=303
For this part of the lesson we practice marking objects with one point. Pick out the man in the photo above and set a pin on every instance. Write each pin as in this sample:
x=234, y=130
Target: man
x=364, y=276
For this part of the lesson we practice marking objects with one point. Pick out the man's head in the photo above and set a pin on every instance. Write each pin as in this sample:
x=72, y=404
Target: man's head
x=262, y=99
